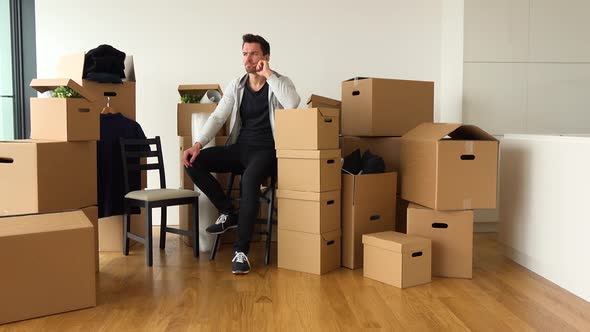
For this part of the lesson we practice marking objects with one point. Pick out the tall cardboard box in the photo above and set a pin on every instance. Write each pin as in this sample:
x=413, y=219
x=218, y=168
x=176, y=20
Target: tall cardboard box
x=48, y=265
x=185, y=111
x=121, y=96
x=91, y=213
x=307, y=252
x=46, y=176
x=368, y=206
x=309, y=212
x=110, y=231
x=401, y=216
x=387, y=148
x=307, y=129
x=449, y=166
x=184, y=142
x=451, y=233
x=385, y=107
x=309, y=170
x=315, y=101
x=397, y=259
x=64, y=119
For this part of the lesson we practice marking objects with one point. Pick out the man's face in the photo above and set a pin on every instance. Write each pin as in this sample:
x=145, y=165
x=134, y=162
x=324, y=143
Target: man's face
x=251, y=54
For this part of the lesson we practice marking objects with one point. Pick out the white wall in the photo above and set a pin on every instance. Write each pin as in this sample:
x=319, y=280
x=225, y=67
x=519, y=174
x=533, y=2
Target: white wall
x=316, y=43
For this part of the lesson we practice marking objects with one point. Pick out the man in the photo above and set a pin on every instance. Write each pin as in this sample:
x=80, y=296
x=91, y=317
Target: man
x=249, y=102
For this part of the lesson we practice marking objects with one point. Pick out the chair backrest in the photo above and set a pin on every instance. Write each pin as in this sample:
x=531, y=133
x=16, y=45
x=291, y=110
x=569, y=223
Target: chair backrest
x=132, y=150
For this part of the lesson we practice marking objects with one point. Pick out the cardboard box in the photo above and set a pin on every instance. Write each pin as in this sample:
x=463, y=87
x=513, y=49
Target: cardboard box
x=309, y=212
x=397, y=259
x=368, y=206
x=315, y=101
x=91, y=213
x=306, y=252
x=309, y=170
x=385, y=107
x=46, y=176
x=185, y=111
x=110, y=231
x=387, y=148
x=449, y=166
x=47, y=265
x=451, y=233
x=307, y=129
x=121, y=96
x=64, y=119
x=401, y=216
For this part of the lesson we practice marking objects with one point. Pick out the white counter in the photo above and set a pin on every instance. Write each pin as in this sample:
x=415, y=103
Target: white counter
x=545, y=207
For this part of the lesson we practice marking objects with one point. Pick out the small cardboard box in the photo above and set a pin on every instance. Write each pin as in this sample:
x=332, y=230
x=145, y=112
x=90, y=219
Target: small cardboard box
x=451, y=233
x=64, y=119
x=309, y=170
x=306, y=129
x=315, y=101
x=368, y=206
x=387, y=148
x=397, y=259
x=309, y=212
x=48, y=265
x=385, y=107
x=110, y=231
x=91, y=213
x=185, y=111
x=121, y=96
x=46, y=176
x=449, y=166
x=306, y=252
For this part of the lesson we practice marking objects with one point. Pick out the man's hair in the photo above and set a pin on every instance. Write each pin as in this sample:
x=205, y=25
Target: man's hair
x=250, y=38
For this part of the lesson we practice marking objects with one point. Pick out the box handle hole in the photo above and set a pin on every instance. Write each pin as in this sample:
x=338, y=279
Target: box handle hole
x=375, y=217
x=328, y=120
x=440, y=225
x=467, y=157
x=330, y=202
x=110, y=94
x=330, y=161
x=417, y=254
x=84, y=110
x=6, y=160
x=356, y=93
x=330, y=242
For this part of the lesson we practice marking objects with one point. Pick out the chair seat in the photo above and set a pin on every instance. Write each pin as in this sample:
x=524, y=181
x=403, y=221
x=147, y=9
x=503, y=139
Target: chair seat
x=152, y=195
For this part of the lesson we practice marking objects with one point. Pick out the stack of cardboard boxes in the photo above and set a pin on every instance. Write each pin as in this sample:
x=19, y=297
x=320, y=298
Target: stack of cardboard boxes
x=447, y=171
x=48, y=212
x=375, y=113
x=309, y=230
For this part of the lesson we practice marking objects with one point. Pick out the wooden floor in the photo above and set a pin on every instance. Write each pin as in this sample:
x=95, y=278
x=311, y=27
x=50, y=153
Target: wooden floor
x=183, y=294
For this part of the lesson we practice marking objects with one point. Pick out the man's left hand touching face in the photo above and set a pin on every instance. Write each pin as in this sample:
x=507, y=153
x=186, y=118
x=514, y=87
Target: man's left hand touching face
x=263, y=69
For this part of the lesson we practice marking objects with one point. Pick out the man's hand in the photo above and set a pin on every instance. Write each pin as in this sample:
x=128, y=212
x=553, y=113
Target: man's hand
x=263, y=69
x=190, y=154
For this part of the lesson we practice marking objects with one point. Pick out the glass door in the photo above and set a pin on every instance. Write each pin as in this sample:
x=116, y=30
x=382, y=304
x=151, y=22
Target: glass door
x=6, y=77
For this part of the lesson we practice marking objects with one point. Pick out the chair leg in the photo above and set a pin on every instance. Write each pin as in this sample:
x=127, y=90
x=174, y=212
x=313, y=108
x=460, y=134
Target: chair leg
x=126, y=229
x=195, y=222
x=269, y=226
x=214, y=247
x=163, y=225
x=149, y=259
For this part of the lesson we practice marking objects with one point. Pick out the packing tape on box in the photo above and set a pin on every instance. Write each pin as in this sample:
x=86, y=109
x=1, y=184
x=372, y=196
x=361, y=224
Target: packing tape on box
x=469, y=147
x=467, y=204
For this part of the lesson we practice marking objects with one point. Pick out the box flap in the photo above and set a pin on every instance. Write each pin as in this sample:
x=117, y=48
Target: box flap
x=309, y=154
x=431, y=131
x=323, y=100
x=396, y=242
x=357, y=79
x=416, y=206
x=197, y=89
x=471, y=133
x=43, y=85
x=326, y=112
x=129, y=69
x=307, y=195
x=43, y=223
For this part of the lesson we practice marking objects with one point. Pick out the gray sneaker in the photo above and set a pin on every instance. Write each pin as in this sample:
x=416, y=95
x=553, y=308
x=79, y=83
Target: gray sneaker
x=223, y=223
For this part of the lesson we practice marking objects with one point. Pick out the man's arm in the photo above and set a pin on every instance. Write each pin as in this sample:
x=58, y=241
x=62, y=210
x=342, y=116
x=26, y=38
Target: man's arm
x=218, y=118
x=284, y=90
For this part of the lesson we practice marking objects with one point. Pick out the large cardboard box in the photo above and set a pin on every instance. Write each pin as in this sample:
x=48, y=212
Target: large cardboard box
x=387, y=148
x=401, y=216
x=110, y=231
x=315, y=101
x=449, y=166
x=309, y=212
x=307, y=252
x=121, y=96
x=309, y=170
x=368, y=206
x=186, y=111
x=307, y=129
x=397, y=259
x=46, y=176
x=91, y=213
x=48, y=265
x=451, y=233
x=64, y=119
x=385, y=107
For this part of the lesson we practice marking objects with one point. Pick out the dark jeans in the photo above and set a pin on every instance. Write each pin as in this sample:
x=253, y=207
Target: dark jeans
x=254, y=164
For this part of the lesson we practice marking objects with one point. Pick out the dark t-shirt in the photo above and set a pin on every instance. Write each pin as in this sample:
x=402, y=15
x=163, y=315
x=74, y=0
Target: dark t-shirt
x=254, y=112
